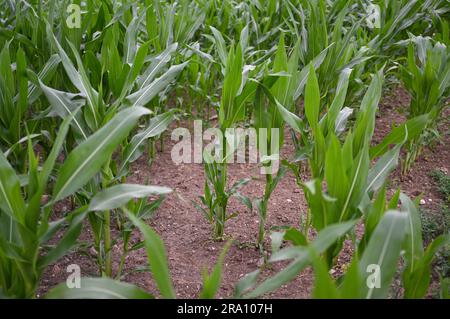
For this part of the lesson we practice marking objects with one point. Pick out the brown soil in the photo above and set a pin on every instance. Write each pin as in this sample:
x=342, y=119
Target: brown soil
x=188, y=235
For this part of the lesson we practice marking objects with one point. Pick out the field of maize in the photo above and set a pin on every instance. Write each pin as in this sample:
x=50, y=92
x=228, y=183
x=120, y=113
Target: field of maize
x=105, y=192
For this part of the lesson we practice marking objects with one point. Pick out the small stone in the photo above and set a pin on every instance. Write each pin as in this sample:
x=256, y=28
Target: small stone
x=430, y=200
x=289, y=200
x=422, y=202
x=260, y=262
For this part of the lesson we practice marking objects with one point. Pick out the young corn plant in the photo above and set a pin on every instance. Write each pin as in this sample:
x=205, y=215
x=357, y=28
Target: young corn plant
x=236, y=91
x=19, y=98
x=12, y=107
x=120, y=199
x=26, y=218
x=427, y=78
x=268, y=119
x=313, y=141
x=315, y=134
x=343, y=179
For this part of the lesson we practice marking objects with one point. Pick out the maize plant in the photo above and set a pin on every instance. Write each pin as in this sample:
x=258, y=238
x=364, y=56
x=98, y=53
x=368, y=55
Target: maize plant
x=346, y=168
x=236, y=91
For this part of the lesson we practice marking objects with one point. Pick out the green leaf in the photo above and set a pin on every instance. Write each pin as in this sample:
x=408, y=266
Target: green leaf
x=383, y=251
x=157, y=258
x=312, y=99
x=231, y=85
x=413, y=241
x=365, y=122
x=157, y=65
x=416, y=282
x=130, y=40
x=118, y=195
x=22, y=80
x=147, y=93
x=246, y=283
x=56, y=149
x=88, y=157
x=64, y=104
x=304, y=74
x=351, y=286
x=11, y=201
x=78, y=78
x=341, y=119
x=157, y=125
x=414, y=127
x=98, y=288
x=324, y=286
x=296, y=237
x=338, y=183
x=68, y=240
x=290, y=118
x=44, y=75
x=333, y=113
x=221, y=46
x=211, y=283
x=382, y=168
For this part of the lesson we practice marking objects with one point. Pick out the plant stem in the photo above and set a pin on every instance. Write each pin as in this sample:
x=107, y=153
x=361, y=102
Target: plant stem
x=124, y=255
x=161, y=140
x=107, y=241
x=100, y=259
x=263, y=213
x=221, y=212
x=219, y=226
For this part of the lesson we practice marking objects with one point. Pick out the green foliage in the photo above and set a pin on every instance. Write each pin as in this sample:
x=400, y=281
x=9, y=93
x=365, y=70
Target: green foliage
x=80, y=105
x=427, y=78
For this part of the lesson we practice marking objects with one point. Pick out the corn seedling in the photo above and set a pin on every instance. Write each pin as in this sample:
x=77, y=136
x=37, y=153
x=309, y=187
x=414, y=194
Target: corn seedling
x=427, y=77
x=236, y=91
